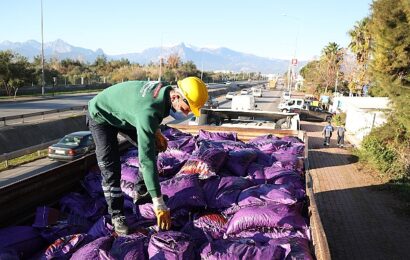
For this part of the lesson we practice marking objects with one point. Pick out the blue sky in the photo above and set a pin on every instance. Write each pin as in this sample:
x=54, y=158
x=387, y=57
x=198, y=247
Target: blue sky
x=267, y=28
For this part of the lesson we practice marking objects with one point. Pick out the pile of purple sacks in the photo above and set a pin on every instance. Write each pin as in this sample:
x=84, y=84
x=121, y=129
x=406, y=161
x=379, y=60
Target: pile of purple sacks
x=228, y=200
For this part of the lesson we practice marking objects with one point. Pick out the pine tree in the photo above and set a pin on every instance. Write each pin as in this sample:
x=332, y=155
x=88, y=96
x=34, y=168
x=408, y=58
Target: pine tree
x=390, y=28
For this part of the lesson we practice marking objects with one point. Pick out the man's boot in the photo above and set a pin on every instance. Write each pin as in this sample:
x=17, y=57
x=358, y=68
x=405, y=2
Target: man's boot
x=120, y=225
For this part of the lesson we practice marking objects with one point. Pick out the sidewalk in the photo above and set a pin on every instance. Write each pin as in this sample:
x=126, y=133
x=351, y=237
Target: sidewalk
x=357, y=215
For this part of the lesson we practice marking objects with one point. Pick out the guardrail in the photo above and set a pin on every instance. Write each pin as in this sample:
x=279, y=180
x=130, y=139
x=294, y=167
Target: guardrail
x=42, y=113
x=8, y=156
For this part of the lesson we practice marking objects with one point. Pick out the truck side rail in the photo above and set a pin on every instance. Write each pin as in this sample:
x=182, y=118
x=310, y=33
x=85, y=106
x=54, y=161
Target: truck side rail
x=19, y=200
x=4, y=119
x=319, y=239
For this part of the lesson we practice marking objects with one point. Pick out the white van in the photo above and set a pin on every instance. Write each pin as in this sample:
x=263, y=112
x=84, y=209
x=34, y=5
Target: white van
x=291, y=103
x=257, y=92
x=243, y=103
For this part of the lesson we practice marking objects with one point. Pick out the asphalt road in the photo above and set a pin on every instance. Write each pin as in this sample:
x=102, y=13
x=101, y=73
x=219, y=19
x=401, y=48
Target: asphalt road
x=269, y=102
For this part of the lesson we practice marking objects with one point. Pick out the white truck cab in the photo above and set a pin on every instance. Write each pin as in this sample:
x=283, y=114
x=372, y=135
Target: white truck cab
x=243, y=103
x=291, y=103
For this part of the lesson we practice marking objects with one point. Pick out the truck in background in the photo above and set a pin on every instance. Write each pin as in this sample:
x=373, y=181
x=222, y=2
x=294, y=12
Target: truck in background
x=243, y=103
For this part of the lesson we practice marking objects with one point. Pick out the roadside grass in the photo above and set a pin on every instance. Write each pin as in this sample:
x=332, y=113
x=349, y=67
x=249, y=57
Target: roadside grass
x=23, y=159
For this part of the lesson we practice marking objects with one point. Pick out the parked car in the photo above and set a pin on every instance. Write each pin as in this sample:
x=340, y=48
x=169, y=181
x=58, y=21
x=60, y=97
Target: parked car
x=312, y=113
x=230, y=95
x=72, y=146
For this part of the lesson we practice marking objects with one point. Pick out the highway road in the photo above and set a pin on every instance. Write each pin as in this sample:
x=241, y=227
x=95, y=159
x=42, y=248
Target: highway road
x=269, y=101
x=64, y=101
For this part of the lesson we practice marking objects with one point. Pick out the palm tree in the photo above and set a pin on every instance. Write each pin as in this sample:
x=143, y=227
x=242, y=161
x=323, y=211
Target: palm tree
x=361, y=45
x=332, y=56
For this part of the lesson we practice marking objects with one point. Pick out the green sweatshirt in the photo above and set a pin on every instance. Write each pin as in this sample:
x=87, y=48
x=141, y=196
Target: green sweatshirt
x=132, y=105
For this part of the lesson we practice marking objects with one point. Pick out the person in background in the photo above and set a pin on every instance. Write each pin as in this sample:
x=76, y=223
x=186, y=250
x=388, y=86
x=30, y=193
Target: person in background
x=135, y=109
x=341, y=135
x=327, y=133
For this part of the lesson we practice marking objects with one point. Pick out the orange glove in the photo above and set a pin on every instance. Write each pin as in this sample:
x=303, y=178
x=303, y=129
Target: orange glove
x=161, y=142
x=162, y=212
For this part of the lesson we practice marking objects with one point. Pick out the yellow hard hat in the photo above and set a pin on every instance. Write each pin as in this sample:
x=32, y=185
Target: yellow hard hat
x=195, y=91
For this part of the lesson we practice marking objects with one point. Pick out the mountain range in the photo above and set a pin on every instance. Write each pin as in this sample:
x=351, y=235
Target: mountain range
x=218, y=59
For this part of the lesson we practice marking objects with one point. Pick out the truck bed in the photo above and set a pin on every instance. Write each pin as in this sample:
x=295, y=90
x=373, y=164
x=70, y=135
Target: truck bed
x=19, y=200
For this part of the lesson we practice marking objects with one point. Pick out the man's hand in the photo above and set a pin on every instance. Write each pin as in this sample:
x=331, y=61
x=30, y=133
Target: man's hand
x=161, y=142
x=162, y=212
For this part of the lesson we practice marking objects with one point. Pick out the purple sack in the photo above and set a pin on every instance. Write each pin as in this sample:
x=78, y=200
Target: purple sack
x=241, y=249
x=171, y=161
x=24, y=240
x=206, y=135
x=173, y=133
x=267, y=234
x=97, y=249
x=287, y=160
x=226, y=145
x=205, y=162
x=269, y=216
x=270, y=146
x=292, y=139
x=92, y=182
x=296, y=148
x=183, y=192
x=170, y=245
x=64, y=247
x=276, y=171
x=185, y=143
x=101, y=228
x=263, y=195
x=82, y=205
x=256, y=173
x=45, y=216
x=129, y=177
x=294, y=180
x=262, y=139
x=9, y=254
x=129, y=247
x=211, y=223
x=131, y=153
x=296, y=247
x=223, y=192
x=51, y=234
x=239, y=161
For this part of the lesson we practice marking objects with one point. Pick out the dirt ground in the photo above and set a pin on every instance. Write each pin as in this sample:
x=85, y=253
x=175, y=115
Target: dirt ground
x=358, y=213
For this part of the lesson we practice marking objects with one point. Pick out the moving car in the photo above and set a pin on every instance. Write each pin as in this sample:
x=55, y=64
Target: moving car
x=230, y=95
x=312, y=113
x=72, y=146
x=244, y=92
x=286, y=105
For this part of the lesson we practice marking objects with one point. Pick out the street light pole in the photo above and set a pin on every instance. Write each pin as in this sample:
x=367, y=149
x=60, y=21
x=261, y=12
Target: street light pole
x=42, y=52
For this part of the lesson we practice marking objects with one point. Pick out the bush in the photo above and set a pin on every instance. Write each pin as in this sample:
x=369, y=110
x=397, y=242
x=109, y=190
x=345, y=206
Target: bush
x=339, y=119
x=386, y=148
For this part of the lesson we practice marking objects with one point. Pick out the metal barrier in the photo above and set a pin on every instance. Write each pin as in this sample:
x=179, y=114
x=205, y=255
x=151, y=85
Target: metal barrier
x=42, y=113
x=8, y=156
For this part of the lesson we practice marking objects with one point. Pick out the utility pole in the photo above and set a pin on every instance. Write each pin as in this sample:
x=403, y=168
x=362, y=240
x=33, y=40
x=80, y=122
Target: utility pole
x=42, y=52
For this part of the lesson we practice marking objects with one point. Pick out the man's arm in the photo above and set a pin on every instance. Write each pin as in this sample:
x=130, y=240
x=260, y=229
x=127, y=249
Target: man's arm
x=147, y=157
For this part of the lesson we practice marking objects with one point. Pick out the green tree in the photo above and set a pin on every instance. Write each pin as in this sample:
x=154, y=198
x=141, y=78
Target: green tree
x=332, y=56
x=390, y=27
x=15, y=71
x=361, y=46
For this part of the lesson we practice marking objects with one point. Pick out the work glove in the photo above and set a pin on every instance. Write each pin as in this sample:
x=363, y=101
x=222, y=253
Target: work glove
x=161, y=142
x=162, y=212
